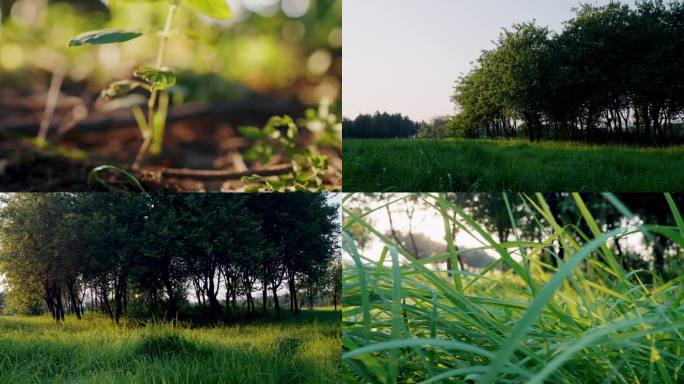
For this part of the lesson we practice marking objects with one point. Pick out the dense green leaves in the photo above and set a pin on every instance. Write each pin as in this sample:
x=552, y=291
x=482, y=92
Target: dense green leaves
x=158, y=79
x=218, y=9
x=612, y=74
x=105, y=36
x=158, y=251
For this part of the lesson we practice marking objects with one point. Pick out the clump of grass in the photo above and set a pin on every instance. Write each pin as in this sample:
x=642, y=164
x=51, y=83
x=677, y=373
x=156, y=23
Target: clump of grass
x=586, y=320
x=166, y=343
x=515, y=165
x=288, y=345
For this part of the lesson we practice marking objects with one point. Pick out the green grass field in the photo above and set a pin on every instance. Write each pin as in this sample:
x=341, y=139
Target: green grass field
x=485, y=166
x=93, y=350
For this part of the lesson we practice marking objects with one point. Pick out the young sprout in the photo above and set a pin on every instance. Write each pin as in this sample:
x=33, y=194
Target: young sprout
x=156, y=79
x=281, y=137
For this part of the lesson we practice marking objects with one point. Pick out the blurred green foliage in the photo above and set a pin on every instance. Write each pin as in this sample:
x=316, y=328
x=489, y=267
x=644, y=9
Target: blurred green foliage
x=281, y=137
x=264, y=50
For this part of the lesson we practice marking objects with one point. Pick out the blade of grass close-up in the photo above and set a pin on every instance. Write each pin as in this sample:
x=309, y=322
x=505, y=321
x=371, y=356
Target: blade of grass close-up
x=559, y=303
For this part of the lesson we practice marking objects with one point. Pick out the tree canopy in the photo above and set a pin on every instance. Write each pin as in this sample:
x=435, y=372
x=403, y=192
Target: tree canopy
x=153, y=253
x=613, y=74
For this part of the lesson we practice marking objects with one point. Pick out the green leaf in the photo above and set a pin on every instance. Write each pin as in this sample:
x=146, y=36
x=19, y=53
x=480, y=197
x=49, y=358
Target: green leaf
x=158, y=79
x=252, y=132
x=104, y=36
x=94, y=177
x=121, y=88
x=218, y=9
x=253, y=179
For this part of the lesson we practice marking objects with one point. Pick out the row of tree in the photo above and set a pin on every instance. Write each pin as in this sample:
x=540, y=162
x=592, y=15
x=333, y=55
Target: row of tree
x=67, y=253
x=380, y=126
x=614, y=74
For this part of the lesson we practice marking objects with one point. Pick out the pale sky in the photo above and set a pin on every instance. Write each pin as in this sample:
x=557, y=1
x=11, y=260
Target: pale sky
x=405, y=55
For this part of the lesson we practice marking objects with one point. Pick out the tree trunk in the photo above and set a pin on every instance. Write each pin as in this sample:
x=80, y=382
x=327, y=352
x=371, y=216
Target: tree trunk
x=293, y=295
x=276, y=304
x=171, y=307
x=214, y=306
x=117, y=304
x=49, y=301
x=105, y=304
x=73, y=300
x=59, y=305
x=264, y=298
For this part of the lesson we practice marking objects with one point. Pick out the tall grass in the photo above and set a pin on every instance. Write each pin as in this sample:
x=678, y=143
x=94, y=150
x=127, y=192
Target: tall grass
x=305, y=349
x=586, y=320
x=515, y=165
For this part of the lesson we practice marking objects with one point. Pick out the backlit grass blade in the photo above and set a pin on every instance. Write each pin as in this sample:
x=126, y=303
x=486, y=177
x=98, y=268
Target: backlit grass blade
x=596, y=231
x=675, y=213
x=544, y=295
x=396, y=314
x=350, y=247
x=450, y=246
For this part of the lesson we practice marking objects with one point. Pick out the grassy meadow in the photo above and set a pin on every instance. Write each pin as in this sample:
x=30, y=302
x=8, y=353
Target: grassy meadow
x=304, y=349
x=487, y=166
x=585, y=320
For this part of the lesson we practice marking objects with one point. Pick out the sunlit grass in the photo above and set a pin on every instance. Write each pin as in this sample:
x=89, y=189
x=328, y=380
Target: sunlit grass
x=585, y=321
x=486, y=165
x=93, y=350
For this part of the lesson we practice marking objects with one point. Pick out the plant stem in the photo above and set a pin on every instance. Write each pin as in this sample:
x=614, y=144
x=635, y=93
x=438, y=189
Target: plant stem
x=50, y=104
x=173, y=6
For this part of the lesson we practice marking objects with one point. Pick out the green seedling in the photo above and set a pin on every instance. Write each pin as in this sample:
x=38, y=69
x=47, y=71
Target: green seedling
x=281, y=137
x=155, y=79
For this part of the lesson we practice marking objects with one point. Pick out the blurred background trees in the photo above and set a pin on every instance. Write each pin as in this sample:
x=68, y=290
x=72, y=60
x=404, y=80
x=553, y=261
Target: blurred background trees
x=167, y=255
x=291, y=49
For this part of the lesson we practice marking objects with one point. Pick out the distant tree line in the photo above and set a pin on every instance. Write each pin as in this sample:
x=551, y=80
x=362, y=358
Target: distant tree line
x=438, y=127
x=380, y=126
x=116, y=253
x=614, y=74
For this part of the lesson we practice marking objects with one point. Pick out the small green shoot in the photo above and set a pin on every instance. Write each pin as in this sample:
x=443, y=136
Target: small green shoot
x=155, y=79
